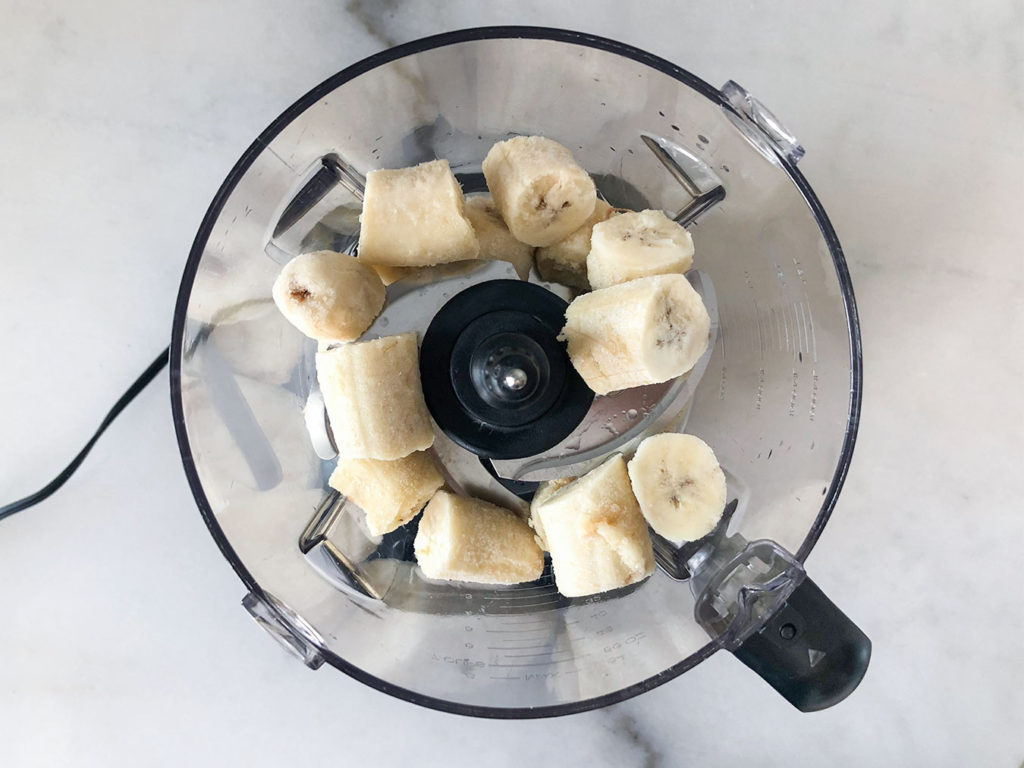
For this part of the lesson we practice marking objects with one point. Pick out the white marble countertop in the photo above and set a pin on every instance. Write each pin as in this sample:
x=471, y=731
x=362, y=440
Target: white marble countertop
x=122, y=639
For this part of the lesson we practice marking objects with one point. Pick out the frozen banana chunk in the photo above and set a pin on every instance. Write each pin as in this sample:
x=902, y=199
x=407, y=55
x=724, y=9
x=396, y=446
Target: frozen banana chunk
x=637, y=244
x=544, y=492
x=374, y=398
x=328, y=295
x=539, y=188
x=415, y=217
x=496, y=242
x=679, y=484
x=391, y=493
x=430, y=274
x=642, y=332
x=595, y=532
x=464, y=539
x=565, y=262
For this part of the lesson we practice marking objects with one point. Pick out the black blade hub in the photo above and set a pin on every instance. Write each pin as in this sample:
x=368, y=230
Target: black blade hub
x=495, y=377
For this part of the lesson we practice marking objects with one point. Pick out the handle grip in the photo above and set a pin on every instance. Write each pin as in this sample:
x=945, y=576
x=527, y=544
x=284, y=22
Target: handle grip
x=809, y=651
x=756, y=600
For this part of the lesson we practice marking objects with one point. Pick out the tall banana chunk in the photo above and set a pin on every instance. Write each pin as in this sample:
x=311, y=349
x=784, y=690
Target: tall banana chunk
x=465, y=539
x=415, y=217
x=642, y=332
x=543, y=493
x=541, y=191
x=679, y=484
x=596, y=535
x=391, y=493
x=637, y=244
x=328, y=295
x=496, y=242
x=374, y=398
x=565, y=262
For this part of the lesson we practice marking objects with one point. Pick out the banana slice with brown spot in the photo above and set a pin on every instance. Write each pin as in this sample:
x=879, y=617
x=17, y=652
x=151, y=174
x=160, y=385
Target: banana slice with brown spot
x=541, y=191
x=329, y=296
x=679, y=484
x=637, y=244
x=595, y=532
x=642, y=332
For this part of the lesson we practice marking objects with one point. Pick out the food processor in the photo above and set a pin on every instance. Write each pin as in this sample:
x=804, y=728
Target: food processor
x=777, y=394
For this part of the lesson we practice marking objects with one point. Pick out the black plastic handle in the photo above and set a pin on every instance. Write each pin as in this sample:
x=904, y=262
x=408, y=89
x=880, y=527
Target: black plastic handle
x=809, y=651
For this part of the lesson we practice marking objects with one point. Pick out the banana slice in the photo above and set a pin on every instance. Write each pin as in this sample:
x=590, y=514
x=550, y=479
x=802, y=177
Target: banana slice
x=544, y=492
x=679, y=484
x=565, y=262
x=595, y=532
x=391, y=493
x=415, y=217
x=465, y=539
x=329, y=295
x=374, y=398
x=496, y=242
x=539, y=188
x=642, y=332
x=637, y=244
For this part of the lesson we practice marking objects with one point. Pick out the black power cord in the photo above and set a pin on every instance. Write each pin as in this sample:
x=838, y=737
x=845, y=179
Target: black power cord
x=132, y=392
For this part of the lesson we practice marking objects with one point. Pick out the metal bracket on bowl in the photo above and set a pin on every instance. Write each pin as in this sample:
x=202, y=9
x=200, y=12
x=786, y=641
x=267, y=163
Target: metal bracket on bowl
x=691, y=173
x=289, y=629
x=330, y=559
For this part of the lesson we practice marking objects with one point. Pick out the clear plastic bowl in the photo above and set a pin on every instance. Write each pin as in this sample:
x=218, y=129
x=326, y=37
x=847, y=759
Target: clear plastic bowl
x=779, y=401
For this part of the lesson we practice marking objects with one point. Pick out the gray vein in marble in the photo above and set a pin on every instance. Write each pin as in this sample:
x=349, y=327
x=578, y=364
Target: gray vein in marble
x=374, y=16
x=625, y=726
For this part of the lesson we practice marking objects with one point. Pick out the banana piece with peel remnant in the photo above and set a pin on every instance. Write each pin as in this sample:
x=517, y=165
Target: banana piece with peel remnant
x=496, y=242
x=540, y=190
x=565, y=262
x=329, y=296
x=642, y=332
x=637, y=244
x=391, y=493
x=374, y=398
x=415, y=217
x=466, y=539
x=595, y=532
x=679, y=484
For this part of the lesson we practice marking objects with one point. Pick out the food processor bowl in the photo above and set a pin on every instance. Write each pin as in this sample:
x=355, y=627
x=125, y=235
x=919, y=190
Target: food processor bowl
x=778, y=398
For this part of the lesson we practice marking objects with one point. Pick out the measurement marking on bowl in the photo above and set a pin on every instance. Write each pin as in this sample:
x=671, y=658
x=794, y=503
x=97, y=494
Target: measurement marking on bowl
x=516, y=647
x=513, y=631
x=538, y=663
x=544, y=653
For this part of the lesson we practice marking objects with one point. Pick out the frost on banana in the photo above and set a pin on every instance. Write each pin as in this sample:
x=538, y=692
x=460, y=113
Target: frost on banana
x=496, y=242
x=415, y=217
x=465, y=539
x=538, y=187
x=679, y=484
x=637, y=244
x=544, y=492
x=565, y=262
x=391, y=493
x=595, y=532
x=374, y=398
x=328, y=295
x=642, y=332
